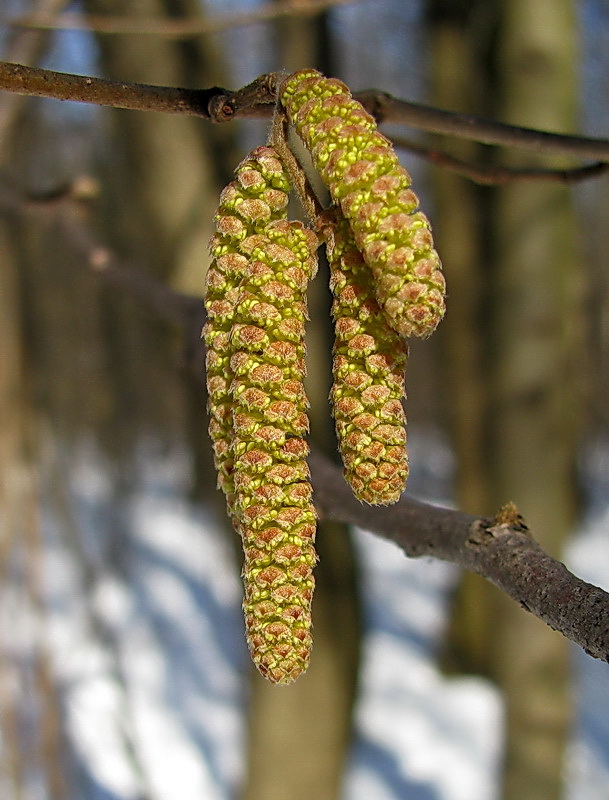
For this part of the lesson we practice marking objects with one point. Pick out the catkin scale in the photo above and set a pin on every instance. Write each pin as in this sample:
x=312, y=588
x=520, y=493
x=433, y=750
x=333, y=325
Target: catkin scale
x=361, y=170
x=273, y=505
x=368, y=370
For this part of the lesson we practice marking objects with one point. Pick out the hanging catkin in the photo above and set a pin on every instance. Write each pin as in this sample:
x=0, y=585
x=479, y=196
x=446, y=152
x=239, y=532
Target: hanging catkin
x=387, y=284
x=360, y=168
x=255, y=365
x=368, y=370
x=271, y=476
x=258, y=195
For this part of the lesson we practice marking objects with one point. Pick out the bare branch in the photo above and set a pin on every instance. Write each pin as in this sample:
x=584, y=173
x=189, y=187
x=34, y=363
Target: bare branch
x=497, y=175
x=387, y=108
x=170, y=27
x=68, y=209
x=503, y=553
x=139, y=97
x=258, y=100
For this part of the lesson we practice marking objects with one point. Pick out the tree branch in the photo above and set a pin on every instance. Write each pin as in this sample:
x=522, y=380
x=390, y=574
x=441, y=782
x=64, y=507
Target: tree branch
x=257, y=99
x=386, y=108
x=99, y=91
x=503, y=552
x=497, y=175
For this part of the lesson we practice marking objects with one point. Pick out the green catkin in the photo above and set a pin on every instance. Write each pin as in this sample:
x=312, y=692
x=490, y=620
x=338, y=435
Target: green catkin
x=368, y=368
x=276, y=517
x=257, y=196
x=361, y=169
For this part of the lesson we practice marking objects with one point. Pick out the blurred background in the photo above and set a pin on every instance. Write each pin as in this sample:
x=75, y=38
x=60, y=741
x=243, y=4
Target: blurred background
x=123, y=669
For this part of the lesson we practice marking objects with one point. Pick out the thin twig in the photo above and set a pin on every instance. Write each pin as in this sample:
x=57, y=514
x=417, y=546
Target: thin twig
x=99, y=91
x=387, y=108
x=498, y=175
x=173, y=28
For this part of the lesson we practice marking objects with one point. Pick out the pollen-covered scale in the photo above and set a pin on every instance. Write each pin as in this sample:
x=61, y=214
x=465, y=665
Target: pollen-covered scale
x=361, y=169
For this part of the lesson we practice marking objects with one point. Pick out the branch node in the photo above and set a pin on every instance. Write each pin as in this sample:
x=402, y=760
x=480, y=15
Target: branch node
x=221, y=107
x=481, y=532
x=376, y=103
x=509, y=516
x=507, y=521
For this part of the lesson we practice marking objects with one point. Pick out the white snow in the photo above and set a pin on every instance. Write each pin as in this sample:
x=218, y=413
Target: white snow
x=143, y=624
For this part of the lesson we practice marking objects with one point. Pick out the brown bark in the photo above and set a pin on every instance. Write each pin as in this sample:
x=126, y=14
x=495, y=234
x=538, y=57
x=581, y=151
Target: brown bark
x=257, y=100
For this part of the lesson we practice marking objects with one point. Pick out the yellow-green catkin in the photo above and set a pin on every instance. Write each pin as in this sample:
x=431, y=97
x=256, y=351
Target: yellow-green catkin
x=257, y=196
x=276, y=517
x=361, y=169
x=368, y=368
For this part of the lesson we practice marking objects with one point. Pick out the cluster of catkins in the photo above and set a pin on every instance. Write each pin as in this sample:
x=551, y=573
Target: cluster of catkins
x=387, y=286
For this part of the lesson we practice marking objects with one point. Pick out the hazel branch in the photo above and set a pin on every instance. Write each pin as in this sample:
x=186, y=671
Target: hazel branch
x=258, y=100
x=100, y=91
x=498, y=175
x=386, y=108
x=501, y=550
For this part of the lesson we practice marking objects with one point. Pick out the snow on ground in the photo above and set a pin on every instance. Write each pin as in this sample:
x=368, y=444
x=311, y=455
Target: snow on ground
x=146, y=636
x=148, y=641
x=419, y=734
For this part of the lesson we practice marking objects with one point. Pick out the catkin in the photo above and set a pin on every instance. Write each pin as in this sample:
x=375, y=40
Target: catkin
x=257, y=196
x=368, y=370
x=276, y=517
x=361, y=169
x=387, y=284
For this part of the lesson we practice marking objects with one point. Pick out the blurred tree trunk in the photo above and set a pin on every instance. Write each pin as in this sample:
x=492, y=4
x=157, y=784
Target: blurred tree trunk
x=23, y=47
x=96, y=366
x=161, y=178
x=33, y=745
x=523, y=378
x=461, y=36
x=30, y=715
x=14, y=490
x=538, y=325
x=299, y=737
x=170, y=165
